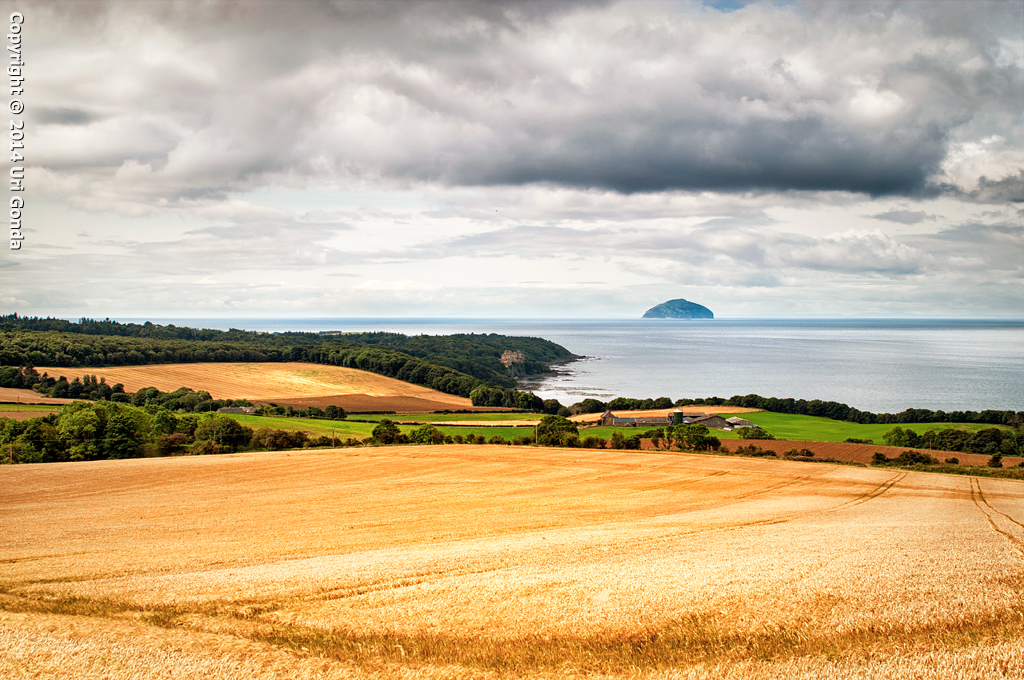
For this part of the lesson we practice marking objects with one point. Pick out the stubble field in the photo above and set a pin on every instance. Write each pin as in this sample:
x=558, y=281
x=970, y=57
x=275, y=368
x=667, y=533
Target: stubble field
x=295, y=383
x=478, y=561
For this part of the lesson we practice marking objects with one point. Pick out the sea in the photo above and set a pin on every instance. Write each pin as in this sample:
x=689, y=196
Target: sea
x=879, y=365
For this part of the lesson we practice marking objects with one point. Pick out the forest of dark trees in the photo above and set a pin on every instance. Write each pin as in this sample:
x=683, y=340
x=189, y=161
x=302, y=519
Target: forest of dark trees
x=455, y=364
x=838, y=411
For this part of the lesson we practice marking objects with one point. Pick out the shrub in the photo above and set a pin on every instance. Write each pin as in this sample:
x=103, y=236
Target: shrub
x=879, y=458
x=168, y=445
x=953, y=461
x=497, y=439
x=224, y=431
x=655, y=435
x=553, y=430
x=799, y=453
x=995, y=461
x=386, y=432
x=275, y=440
x=592, y=442
x=854, y=440
x=205, y=448
x=754, y=433
x=915, y=458
x=426, y=434
x=753, y=450
x=693, y=438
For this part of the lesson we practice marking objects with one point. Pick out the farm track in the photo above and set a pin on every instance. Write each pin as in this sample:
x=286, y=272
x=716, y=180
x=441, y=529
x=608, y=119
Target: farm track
x=874, y=493
x=988, y=511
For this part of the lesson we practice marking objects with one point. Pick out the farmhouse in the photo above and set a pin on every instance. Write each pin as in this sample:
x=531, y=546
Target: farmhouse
x=676, y=418
x=739, y=422
x=237, y=409
x=609, y=418
x=710, y=421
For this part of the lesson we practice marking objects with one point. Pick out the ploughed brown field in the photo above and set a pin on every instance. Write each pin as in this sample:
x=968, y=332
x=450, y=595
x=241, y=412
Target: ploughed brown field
x=295, y=383
x=857, y=453
x=506, y=562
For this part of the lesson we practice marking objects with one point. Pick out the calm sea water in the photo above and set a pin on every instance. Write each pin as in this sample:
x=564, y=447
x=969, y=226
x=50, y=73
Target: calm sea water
x=873, y=365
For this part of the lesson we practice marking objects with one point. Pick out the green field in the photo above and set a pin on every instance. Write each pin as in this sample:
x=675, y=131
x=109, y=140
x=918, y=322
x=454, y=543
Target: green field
x=30, y=407
x=809, y=428
x=782, y=425
x=446, y=417
x=343, y=429
x=788, y=426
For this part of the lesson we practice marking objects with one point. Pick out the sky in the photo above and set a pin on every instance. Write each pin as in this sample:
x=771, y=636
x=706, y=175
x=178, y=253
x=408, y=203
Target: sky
x=213, y=159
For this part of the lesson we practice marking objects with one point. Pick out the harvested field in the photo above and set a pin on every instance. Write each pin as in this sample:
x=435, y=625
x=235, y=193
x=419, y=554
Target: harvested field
x=857, y=453
x=24, y=415
x=292, y=382
x=493, y=562
x=362, y=402
x=14, y=395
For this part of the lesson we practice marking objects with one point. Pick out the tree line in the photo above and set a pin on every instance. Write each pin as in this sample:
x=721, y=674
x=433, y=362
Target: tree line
x=988, y=442
x=839, y=411
x=814, y=407
x=105, y=430
x=90, y=342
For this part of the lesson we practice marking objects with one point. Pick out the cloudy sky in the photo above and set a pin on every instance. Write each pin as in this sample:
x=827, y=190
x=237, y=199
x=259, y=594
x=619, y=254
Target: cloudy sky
x=520, y=159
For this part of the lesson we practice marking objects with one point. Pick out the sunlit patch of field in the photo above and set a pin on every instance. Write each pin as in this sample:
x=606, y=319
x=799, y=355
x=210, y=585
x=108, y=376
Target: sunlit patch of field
x=262, y=381
x=12, y=395
x=478, y=561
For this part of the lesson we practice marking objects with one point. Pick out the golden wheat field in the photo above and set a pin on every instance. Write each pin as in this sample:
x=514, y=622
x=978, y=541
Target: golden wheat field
x=286, y=381
x=501, y=562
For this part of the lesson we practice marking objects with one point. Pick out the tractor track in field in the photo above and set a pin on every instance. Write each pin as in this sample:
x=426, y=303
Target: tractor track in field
x=982, y=503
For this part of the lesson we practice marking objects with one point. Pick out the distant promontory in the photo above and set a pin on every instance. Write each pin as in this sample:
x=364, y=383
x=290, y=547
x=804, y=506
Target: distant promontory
x=679, y=309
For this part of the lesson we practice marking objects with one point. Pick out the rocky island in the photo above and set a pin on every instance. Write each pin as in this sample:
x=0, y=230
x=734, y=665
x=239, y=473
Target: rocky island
x=679, y=309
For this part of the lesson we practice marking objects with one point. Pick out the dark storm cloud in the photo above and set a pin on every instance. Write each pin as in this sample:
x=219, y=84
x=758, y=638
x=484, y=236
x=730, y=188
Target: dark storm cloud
x=807, y=154
x=634, y=97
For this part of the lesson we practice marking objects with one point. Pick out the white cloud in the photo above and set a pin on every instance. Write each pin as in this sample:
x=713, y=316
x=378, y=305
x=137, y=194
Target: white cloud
x=810, y=150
